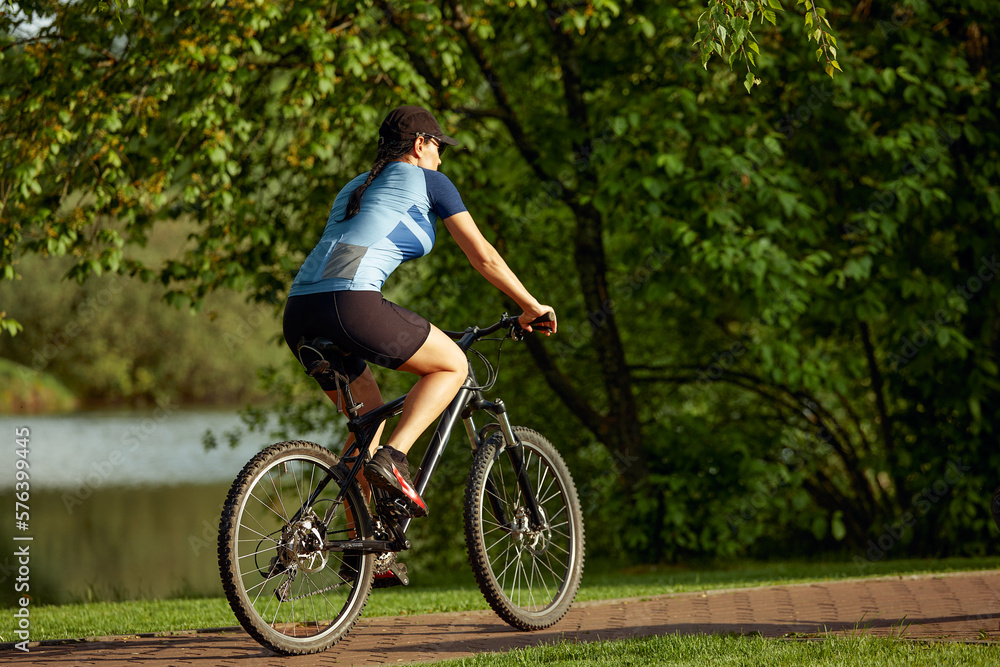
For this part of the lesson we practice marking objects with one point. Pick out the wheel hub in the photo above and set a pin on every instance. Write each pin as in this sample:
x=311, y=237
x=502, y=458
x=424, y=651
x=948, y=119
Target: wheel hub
x=302, y=544
x=535, y=541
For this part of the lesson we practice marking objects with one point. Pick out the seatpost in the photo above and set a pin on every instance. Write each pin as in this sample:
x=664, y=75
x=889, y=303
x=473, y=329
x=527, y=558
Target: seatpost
x=349, y=404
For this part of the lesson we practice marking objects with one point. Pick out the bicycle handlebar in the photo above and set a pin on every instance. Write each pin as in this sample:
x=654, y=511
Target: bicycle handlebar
x=506, y=322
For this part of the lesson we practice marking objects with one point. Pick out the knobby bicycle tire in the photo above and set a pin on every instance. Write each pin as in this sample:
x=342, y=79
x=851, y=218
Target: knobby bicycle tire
x=529, y=576
x=287, y=592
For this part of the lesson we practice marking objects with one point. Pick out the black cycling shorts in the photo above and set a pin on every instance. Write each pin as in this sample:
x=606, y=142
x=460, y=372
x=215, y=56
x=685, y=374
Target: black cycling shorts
x=363, y=324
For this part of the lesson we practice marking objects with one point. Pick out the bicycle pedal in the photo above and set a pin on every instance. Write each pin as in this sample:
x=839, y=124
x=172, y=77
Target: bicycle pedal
x=394, y=576
x=393, y=508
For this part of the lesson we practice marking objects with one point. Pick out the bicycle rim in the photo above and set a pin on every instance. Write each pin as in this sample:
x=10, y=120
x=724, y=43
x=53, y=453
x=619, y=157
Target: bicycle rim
x=287, y=591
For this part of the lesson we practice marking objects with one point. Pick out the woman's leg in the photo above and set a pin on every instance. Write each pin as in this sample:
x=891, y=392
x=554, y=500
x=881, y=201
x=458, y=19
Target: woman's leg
x=442, y=367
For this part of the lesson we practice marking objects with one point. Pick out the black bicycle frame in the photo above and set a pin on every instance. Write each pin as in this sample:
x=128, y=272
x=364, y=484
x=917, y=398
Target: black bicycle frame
x=468, y=399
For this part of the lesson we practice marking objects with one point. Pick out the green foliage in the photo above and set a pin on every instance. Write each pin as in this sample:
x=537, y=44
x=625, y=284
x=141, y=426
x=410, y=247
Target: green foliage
x=113, y=340
x=725, y=29
x=25, y=392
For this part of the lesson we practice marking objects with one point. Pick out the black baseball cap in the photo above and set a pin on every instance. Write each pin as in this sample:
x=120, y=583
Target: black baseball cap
x=405, y=122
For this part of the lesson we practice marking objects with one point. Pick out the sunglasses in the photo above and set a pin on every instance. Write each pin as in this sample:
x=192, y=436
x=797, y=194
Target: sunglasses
x=437, y=142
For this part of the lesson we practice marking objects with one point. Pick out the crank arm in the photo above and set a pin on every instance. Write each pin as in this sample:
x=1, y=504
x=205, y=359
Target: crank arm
x=362, y=546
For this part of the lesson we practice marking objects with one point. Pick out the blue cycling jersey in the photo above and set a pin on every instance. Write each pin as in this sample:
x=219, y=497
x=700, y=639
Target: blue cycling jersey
x=393, y=226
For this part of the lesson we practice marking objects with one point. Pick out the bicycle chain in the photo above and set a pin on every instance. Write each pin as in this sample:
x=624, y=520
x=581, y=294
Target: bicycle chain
x=282, y=591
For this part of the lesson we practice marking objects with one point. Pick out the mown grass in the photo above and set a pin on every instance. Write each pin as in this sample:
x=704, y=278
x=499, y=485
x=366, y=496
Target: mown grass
x=742, y=651
x=458, y=592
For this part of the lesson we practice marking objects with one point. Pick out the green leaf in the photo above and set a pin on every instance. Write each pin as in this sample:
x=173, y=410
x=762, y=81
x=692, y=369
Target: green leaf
x=819, y=526
x=10, y=326
x=671, y=163
x=943, y=336
x=217, y=155
x=837, y=528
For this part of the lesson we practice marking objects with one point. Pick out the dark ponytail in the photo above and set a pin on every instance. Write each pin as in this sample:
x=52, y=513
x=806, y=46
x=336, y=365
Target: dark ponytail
x=387, y=152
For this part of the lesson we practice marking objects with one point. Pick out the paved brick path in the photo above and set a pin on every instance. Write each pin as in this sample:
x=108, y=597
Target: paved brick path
x=952, y=607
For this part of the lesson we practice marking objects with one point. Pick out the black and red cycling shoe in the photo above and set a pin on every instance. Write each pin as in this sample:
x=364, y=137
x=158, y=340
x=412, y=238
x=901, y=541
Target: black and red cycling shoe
x=390, y=470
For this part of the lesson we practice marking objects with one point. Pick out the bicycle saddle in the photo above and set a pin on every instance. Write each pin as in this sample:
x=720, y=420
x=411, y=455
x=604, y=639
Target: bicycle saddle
x=322, y=358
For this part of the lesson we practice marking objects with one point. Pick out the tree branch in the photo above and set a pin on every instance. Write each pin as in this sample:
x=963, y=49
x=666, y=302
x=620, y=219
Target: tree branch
x=419, y=63
x=560, y=384
x=590, y=259
x=820, y=416
x=855, y=419
x=878, y=386
x=510, y=119
x=595, y=422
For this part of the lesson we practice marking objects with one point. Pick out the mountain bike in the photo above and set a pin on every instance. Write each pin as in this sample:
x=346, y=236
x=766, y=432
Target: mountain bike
x=299, y=544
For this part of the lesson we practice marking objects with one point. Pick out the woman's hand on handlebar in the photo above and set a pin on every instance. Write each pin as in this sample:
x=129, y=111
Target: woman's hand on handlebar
x=541, y=319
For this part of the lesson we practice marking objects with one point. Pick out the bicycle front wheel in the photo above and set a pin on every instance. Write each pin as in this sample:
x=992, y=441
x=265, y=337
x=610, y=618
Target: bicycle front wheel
x=287, y=590
x=528, y=572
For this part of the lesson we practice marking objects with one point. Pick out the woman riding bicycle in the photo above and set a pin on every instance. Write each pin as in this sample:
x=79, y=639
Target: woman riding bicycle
x=380, y=219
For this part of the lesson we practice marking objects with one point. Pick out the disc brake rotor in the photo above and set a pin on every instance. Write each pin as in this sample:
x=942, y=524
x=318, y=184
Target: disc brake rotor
x=535, y=542
x=301, y=545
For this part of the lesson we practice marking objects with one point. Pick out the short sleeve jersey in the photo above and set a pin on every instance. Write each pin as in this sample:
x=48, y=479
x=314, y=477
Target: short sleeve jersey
x=397, y=222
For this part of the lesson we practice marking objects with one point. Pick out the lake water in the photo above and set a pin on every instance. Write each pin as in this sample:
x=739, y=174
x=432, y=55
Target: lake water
x=122, y=505
x=132, y=448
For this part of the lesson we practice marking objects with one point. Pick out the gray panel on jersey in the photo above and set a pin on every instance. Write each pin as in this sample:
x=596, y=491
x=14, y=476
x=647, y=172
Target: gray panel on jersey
x=344, y=261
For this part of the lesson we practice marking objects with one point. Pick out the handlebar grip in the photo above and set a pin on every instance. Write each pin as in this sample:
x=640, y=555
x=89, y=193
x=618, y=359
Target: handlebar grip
x=547, y=317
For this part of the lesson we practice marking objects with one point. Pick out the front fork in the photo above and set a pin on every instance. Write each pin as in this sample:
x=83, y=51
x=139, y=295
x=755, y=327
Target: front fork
x=513, y=449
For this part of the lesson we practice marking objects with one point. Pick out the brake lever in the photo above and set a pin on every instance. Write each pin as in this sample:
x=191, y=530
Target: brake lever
x=516, y=332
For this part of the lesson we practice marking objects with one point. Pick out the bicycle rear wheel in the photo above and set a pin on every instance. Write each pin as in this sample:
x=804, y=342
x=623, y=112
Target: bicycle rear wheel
x=287, y=591
x=528, y=574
